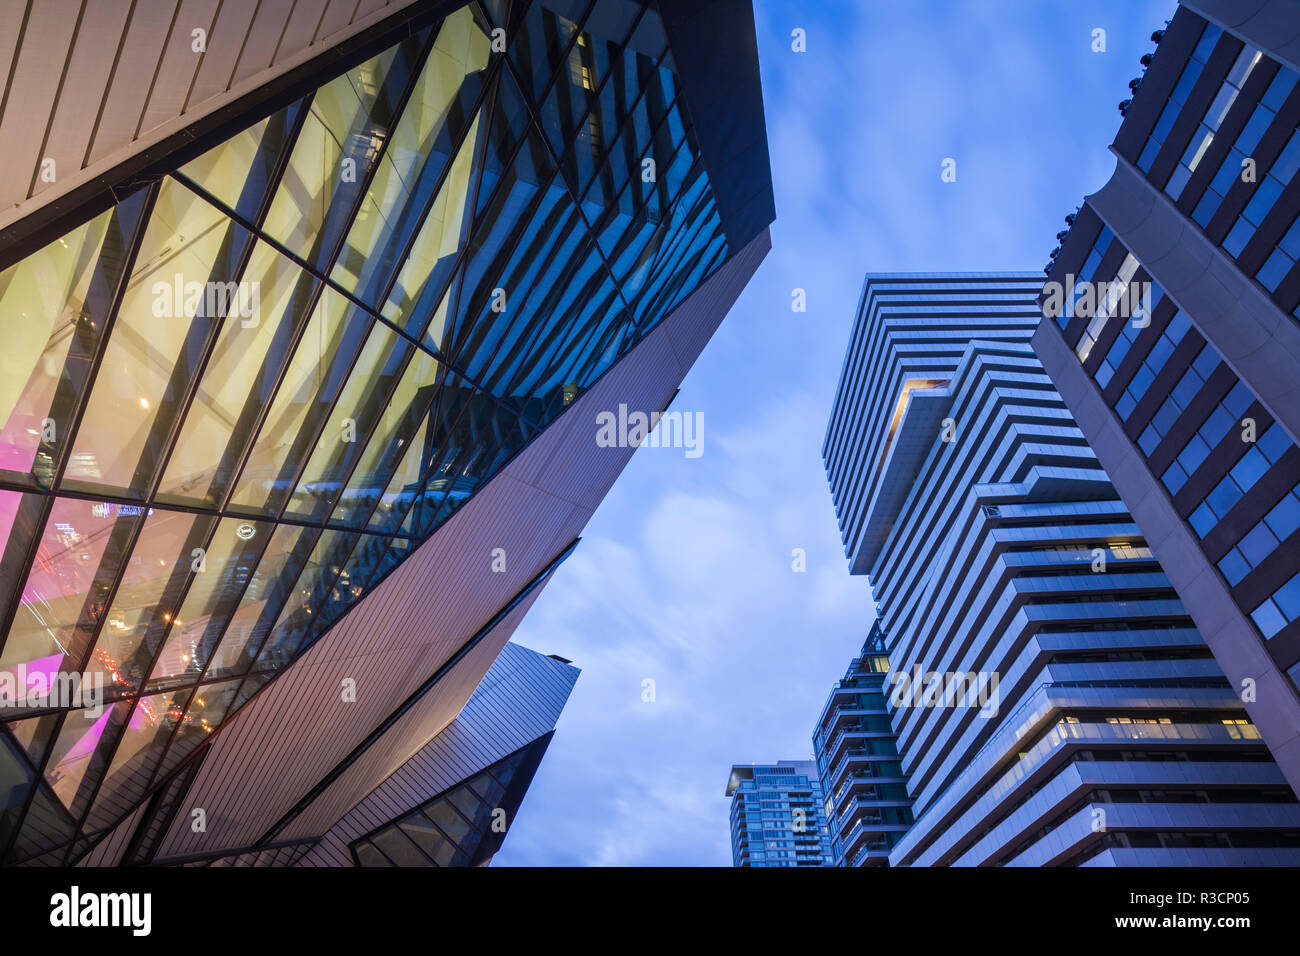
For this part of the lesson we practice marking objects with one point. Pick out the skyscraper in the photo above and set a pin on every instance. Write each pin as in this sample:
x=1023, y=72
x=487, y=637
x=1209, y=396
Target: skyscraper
x=1194, y=409
x=777, y=815
x=867, y=806
x=308, y=325
x=1052, y=701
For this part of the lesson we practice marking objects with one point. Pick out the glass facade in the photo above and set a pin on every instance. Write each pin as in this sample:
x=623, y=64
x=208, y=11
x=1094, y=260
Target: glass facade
x=238, y=398
x=1230, y=470
x=777, y=815
x=1246, y=147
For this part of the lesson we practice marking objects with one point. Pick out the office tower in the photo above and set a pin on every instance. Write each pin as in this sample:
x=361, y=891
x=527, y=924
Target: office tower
x=306, y=342
x=1052, y=701
x=1194, y=409
x=777, y=816
x=867, y=806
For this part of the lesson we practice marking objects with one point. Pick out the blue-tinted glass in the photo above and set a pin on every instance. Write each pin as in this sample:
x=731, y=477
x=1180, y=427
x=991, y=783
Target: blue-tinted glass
x=1287, y=598
x=1265, y=196
x=1183, y=394
x=1177, y=327
x=1273, y=443
x=1236, y=240
x=1274, y=270
x=1191, y=457
x=1268, y=618
x=1142, y=380
x=1224, y=496
x=1148, y=155
x=1205, y=364
x=1250, y=135
x=1288, y=161
x=1205, y=46
x=1203, y=520
x=1191, y=73
x=1284, y=519
x=1166, y=121
x=1250, y=469
x=1279, y=89
x=1217, y=425
x=1104, y=374
x=1174, y=478
x=1124, y=407
x=1238, y=400
x=1228, y=173
x=1257, y=545
x=1234, y=566
x=1290, y=243
x=1148, y=440
x=1205, y=209
x=1177, y=181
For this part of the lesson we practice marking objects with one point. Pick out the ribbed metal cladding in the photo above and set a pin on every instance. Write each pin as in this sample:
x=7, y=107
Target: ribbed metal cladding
x=93, y=83
x=518, y=701
x=298, y=728
x=910, y=326
x=108, y=852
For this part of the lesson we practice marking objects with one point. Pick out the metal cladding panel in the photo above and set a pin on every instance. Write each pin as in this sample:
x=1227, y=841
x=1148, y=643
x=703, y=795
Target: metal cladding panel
x=94, y=84
x=244, y=803
x=298, y=729
x=519, y=700
x=135, y=72
x=434, y=711
x=108, y=852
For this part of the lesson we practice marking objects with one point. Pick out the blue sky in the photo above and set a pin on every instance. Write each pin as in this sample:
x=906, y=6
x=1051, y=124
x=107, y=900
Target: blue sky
x=684, y=574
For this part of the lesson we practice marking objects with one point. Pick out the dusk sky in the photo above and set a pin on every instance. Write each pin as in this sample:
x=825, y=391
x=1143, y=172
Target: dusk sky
x=685, y=574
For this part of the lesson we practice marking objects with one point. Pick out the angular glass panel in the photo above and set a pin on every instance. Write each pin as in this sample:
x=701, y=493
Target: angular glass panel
x=361, y=570
x=424, y=834
x=398, y=848
x=238, y=380
x=358, y=408
x=543, y=39
x=426, y=136
x=420, y=282
x=344, y=130
x=302, y=402
x=61, y=598
x=269, y=587
x=202, y=717
x=450, y=822
x=146, y=600
x=189, y=251
x=367, y=855
x=55, y=305
x=399, y=424
x=214, y=591
x=295, y=623
x=147, y=732
x=84, y=743
x=237, y=172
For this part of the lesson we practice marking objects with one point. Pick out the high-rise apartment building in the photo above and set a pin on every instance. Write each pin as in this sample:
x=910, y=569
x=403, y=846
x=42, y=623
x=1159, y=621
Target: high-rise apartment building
x=1194, y=408
x=1052, y=700
x=867, y=806
x=777, y=815
x=309, y=314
